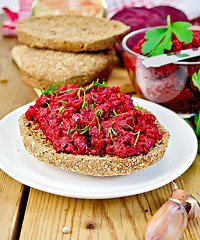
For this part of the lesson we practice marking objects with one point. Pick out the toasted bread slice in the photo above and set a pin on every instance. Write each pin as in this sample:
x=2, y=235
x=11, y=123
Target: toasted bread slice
x=43, y=68
x=71, y=33
x=35, y=143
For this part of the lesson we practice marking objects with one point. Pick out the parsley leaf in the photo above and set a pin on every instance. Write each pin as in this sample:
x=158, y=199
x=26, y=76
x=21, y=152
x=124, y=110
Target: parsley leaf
x=196, y=80
x=153, y=37
x=180, y=29
x=159, y=40
x=197, y=120
x=195, y=125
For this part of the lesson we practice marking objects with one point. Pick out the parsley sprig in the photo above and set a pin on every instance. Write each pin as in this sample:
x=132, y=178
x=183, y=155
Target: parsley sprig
x=196, y=79
x=195, y=123
x=160, y=39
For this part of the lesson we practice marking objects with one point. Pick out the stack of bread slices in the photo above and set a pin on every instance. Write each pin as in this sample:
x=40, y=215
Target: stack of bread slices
x=68, y=48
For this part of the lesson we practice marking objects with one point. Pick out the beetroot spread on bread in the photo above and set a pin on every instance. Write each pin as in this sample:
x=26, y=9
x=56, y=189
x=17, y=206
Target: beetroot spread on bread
x=94, y=120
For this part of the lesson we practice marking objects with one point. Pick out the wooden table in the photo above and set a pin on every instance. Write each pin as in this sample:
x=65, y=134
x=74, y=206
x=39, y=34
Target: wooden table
x=27, y=213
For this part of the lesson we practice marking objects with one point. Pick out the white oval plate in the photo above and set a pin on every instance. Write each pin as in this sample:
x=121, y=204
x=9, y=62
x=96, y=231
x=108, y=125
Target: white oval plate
x=20, y=165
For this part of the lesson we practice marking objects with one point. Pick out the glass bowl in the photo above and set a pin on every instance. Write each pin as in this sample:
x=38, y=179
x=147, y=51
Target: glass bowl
x=169, y=85
x=81, y=7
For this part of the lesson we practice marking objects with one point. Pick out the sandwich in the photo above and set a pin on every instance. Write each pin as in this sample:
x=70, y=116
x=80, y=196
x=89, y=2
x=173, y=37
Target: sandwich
x=94, y=130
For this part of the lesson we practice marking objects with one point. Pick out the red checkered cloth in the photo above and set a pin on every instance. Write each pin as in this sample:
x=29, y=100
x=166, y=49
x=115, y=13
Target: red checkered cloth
x=117, y=5
x=8, y=27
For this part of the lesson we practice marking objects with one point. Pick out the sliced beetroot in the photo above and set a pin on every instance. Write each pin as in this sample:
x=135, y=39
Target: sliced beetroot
x=175, y=14
x=196, y=21
x=138, y=17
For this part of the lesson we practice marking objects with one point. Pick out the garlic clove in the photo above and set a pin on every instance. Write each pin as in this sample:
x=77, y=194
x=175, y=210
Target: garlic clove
x=168, y=223
x=191, y=205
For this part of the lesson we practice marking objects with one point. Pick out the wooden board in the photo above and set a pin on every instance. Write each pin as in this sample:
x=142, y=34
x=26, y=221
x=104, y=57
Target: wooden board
x=120, y=218
x=13, y=94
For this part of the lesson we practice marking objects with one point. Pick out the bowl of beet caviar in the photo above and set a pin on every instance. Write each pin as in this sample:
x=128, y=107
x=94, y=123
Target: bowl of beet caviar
x=170, y=85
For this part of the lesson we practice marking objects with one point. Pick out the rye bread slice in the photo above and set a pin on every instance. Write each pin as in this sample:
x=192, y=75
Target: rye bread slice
x=44, y=68
x=36, y=144
x=71, y=33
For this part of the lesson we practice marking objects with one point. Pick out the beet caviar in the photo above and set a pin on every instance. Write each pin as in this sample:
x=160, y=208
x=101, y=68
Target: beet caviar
x=94, y=120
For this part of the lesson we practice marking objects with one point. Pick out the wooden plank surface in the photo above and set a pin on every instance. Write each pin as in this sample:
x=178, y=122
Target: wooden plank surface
x=120, y=218
x=12, y=95
x=46, y=214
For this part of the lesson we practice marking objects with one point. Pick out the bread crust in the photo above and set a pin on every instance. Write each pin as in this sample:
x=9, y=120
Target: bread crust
x=36, y=144
x=44, y=68
x=71, y=33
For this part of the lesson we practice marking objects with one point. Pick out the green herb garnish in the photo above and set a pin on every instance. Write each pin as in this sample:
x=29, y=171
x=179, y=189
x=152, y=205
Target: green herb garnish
x=182, y=55
x=45, y=97
x=132, y=118
x=99, y=111
x=62, y=101
x=91, y=106
x=85, y=104
x=68, y=130
x=137, y=133
x=97, y=84
x=128, y=126
x=48, y=105
x=117, y=115
x=119, y=95
x=159, y=40
x=196, y=79
x=67, y=91
x=137, y=107
x=79, y=92
x=85, y=129
x=112, y=131
x=197, y=130
x=61, y=109
x=92, y=96
x=195, y=125
x=73, y=130
x=99, y=126
x=49, y=90
x=89, y=87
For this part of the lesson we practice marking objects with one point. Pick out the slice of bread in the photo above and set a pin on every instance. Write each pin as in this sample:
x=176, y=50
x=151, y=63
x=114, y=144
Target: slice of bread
x=35, y=143
x=44, y=68
x=71, y=33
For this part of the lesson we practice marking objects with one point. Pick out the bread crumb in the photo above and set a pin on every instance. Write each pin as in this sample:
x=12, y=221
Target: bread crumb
x=65, y=230
x=3, y=80
x=90, y=223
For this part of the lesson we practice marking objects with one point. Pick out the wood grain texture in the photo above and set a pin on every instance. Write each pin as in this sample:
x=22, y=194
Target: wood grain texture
x=13, y=94
x=121, y=218
x=11, y=194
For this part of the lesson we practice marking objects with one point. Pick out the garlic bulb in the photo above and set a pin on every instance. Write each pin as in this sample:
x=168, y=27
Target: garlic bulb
x=168, y=223
x=190, y=204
